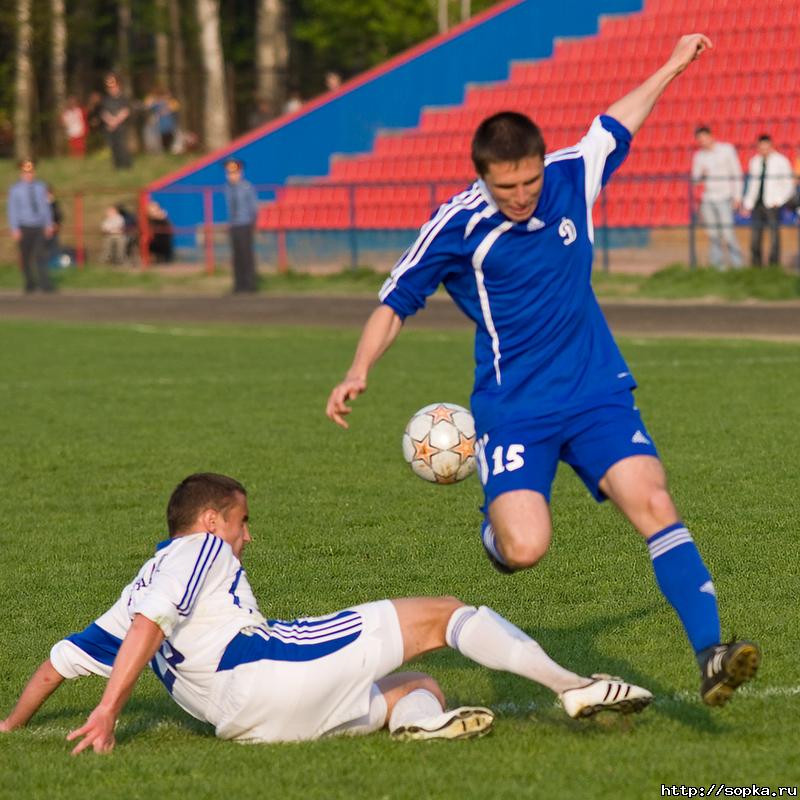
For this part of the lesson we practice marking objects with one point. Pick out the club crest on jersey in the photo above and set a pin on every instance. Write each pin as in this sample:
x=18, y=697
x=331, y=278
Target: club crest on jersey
x=567, y=230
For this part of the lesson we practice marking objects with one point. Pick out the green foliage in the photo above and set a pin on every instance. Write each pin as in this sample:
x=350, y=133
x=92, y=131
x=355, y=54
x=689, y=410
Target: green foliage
x=349, y=36
x=100, y=422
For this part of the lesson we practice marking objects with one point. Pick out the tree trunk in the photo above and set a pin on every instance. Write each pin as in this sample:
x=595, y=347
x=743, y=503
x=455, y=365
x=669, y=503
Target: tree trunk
x=58, y=70
x=24, y=82
x=466, y=10
x=216, y=127
x=443, y=15
x=123, y=45
x=272, y=53
x=178, y=60
x=162, y=45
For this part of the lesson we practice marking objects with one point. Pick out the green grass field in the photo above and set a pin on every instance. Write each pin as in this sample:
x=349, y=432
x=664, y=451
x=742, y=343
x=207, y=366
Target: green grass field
x=99, y=424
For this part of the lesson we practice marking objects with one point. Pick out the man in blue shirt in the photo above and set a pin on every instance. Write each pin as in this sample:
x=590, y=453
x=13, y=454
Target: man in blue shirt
x=31, y=221
x=242, y=203
x=515, y=253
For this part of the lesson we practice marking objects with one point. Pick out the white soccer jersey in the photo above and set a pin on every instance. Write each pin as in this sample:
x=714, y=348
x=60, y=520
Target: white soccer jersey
x=93, y=650
x=223, y=663
x=199, y=595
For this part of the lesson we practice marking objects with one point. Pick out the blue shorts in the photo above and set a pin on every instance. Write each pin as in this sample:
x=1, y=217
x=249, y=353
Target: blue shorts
x=526, y=455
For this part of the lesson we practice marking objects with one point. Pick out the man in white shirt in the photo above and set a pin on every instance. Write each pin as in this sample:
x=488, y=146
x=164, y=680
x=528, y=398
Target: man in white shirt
x=770, y=185
x=717, y=165
x=191, y=613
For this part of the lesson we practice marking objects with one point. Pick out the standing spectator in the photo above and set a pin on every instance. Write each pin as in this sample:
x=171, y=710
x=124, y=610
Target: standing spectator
x=260, y=115
x=242, y=203
x=115, y=110
x=293, y=103
x=76, y=127
x=168, y=120
x=114, y=239
x=151, y=136
x=717, y=165
x=94, y=121
x=770, y=185
x=54, y=240
x=333, y=80
x=31, y=223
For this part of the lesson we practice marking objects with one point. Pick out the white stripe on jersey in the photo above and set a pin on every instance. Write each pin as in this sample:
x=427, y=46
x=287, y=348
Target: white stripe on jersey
x=477, y=265
x=595, y=147
x=461, y=202
x=477, y=217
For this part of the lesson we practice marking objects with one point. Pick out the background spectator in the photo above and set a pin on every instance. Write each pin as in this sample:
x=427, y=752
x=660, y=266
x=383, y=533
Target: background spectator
x=332, y=81
x=293, y=102
x=242, y=203
x=114, y=239
x=115, y=109
x=54, y=240
x=31, y=222
x=160, y=228
x=717, y=165
x=770, y=185
x=261, y=114
x=76, y=127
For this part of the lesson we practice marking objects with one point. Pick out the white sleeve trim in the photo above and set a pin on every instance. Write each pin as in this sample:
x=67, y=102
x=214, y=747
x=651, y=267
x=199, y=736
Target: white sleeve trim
x=71, y=662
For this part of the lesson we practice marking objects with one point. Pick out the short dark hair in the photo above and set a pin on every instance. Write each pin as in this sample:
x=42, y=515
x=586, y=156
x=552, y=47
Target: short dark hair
x=507, y=136
x=198, y=492
x=702, y=129
x=764, y=137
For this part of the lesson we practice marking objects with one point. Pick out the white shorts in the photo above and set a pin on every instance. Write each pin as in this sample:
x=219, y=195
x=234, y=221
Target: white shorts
x=297, y=680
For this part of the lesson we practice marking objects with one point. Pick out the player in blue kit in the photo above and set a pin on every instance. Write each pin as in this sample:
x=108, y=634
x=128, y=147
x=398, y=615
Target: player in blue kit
x=514, y=251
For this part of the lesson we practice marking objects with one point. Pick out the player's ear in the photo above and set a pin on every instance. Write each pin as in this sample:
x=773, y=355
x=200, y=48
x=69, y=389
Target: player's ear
x=208, y=520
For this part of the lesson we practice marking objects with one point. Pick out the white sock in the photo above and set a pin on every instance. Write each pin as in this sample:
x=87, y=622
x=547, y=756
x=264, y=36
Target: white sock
x=415, y=707
x=485, y=637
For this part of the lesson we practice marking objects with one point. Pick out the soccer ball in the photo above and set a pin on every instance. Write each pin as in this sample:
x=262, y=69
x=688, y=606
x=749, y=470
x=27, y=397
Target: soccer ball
x=439, y=443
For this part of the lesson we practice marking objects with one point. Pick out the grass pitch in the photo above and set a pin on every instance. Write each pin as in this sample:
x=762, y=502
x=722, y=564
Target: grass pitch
x=99, y=423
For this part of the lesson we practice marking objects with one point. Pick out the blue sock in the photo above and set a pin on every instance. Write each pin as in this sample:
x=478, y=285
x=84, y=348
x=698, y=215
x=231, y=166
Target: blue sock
x=686, y=583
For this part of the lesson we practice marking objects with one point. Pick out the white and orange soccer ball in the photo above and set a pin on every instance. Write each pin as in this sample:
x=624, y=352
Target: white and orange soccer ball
x=439, y=443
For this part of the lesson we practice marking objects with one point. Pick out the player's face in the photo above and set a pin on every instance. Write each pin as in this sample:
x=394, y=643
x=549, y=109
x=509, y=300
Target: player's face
x=516, y=186
x=233, y=527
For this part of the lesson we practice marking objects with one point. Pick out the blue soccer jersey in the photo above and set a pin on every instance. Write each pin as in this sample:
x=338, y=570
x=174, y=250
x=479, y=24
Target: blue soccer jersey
x=542, y=344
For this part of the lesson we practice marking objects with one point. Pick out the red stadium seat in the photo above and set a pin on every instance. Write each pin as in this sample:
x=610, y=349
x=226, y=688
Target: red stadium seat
x=741, y=91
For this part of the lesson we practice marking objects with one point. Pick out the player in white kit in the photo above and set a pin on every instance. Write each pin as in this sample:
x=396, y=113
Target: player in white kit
x=191, y=613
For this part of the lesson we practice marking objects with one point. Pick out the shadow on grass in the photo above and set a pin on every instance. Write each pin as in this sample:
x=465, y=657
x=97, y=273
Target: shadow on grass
x=140, y=716
x=581, y=639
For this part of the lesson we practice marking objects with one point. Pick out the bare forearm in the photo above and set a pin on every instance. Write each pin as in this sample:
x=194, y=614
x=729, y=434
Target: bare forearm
x=633, y=109
x=380, y=331
x=41, y=685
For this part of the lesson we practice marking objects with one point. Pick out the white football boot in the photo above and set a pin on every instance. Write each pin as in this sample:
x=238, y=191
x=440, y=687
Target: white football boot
x=604, y=693
x=465, y=722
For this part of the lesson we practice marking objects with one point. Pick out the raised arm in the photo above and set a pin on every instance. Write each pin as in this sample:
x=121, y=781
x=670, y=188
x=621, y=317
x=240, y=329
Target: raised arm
x=41, y=685
x=379, y=332
x=633, y=109
x=139, y=646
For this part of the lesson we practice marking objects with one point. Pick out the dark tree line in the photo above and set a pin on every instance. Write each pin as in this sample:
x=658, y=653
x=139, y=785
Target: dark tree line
x=267, y=50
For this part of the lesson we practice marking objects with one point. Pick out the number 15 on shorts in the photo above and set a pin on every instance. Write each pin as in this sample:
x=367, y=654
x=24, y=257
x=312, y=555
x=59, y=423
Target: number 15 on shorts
x=503, y=459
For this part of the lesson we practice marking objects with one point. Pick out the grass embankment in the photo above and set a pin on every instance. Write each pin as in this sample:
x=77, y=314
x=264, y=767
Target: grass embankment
x=96, y=179
x=676, y=282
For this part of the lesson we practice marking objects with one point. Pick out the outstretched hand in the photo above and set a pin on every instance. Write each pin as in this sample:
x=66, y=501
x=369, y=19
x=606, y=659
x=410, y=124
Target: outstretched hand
x=97, y=733
x=337, y=407
x=689, y=48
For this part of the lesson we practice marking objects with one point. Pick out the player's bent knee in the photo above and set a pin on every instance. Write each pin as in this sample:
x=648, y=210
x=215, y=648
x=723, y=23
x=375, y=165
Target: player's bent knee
x=520, y=553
